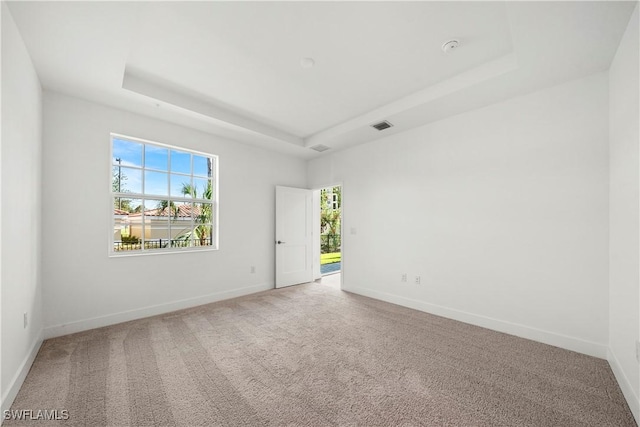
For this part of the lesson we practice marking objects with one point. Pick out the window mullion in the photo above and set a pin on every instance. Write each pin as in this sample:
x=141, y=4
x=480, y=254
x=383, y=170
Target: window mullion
x=128, y=195
x=169, y=201
x=144, y=201
x=172, y=198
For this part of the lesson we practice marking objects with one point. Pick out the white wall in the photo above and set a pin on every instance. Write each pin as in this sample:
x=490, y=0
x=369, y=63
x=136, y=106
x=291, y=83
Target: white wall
x=502, y=211
x=624, y=213
x=21, y=166
x=85, y=288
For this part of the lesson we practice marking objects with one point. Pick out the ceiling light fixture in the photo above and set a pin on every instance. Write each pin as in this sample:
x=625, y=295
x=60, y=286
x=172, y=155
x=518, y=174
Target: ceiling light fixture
x=307, y=62
x=450, y=46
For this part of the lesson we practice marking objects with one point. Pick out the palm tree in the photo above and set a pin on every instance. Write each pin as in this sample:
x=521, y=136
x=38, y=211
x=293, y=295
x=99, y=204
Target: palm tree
x=202, y=213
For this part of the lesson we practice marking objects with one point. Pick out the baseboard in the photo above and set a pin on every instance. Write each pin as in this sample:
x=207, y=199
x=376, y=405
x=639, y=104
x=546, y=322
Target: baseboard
x=625, y=385
x=125, y=316
x=523, y=331
x=19, y=377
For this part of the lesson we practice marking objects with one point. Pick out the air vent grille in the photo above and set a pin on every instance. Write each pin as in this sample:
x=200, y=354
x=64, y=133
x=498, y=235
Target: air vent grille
x=320, y=148
x=382, y=125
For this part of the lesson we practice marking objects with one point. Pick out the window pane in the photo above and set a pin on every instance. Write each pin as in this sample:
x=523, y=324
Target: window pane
x=180, y=162
x=156, y=183
x=127, y=153
x=203, y=188
x=178, y=183
x=126, y=180
x=126, y=224
x=202, y=165
x=127, y=205
x=181, y=226
x=156, y=223
x=156, y=158
x=202, y=213
x=202, y=235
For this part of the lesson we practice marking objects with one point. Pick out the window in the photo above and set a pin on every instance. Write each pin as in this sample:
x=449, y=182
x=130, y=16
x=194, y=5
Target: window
x=334, y=201
x=164, y=198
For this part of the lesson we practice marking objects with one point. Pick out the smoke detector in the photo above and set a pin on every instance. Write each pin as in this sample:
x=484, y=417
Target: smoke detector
x=307, y=62
x=450, y=46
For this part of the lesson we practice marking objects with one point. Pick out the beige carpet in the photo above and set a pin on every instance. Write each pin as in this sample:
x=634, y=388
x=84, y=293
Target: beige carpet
x=313, y=355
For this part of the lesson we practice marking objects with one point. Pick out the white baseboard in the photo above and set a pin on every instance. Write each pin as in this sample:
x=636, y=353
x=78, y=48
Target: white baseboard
x=625, y=385
x=523, y=331
x=125, y=316
x=15, y=384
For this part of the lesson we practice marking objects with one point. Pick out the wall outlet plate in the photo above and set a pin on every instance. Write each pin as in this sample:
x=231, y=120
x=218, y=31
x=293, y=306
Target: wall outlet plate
x=25, y=319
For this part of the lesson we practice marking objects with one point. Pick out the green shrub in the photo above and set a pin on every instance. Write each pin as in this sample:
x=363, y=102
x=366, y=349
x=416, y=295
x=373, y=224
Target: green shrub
x=130, y=239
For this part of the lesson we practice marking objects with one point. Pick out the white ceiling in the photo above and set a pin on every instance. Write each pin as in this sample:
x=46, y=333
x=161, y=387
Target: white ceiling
x=233, y=68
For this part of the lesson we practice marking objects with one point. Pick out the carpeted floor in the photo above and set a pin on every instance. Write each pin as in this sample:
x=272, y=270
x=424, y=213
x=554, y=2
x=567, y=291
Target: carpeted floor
x=313, y=355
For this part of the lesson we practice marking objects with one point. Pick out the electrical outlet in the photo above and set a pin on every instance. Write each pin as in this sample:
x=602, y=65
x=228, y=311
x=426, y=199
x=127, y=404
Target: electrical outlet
x=25, y=319
x=417, y=280
x=403, y=278
x=638, y=351
x=253, y=269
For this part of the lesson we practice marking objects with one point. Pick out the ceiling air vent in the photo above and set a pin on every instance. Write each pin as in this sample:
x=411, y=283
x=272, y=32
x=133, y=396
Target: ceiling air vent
x=382, y=125
x=320, y=148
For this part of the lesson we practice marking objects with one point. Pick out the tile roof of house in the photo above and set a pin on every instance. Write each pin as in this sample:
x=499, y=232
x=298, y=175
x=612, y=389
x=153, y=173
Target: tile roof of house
x=184, y=211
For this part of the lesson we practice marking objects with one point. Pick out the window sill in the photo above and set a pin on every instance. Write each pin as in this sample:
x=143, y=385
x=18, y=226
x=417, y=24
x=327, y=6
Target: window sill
x=126, y=254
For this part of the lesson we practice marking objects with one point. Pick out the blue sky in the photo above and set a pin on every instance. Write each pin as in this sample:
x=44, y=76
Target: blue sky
x=157, y=173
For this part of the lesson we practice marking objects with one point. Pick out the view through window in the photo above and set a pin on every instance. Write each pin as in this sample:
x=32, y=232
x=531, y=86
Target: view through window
x=164, y=197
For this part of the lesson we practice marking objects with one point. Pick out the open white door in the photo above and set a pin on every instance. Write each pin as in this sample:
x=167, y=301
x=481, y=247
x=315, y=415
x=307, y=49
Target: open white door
x=294, y=243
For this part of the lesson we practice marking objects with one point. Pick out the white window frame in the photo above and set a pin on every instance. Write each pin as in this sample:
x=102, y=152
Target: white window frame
x=170, y=250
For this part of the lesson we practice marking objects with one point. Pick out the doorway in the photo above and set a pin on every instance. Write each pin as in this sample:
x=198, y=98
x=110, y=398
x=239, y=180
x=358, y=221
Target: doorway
x=330, y=230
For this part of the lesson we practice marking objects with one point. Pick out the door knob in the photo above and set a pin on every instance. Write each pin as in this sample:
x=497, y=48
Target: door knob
x=279, y=242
